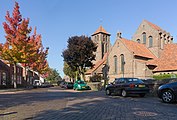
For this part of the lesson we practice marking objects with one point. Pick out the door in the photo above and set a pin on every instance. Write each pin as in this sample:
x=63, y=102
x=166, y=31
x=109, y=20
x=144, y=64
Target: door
x=119, y=85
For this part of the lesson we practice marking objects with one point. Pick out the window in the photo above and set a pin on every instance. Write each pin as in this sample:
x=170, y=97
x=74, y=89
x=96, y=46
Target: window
x=117, y=81
x=122, y=62
x=144, y=38
x=121, y=80
x=102, y=48
x=150, y=41
x=115, y=64
x=165, y=40
x=106, y=47
x=3, y=78
x=138, y=40
x=117, y=44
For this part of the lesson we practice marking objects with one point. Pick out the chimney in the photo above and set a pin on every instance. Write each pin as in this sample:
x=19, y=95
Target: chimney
x=119, y=35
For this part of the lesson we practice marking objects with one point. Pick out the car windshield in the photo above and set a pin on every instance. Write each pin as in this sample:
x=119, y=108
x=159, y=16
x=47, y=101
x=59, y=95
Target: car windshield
x=35, y=82
x=81, y=82
x=135, y=80
x=70, y=83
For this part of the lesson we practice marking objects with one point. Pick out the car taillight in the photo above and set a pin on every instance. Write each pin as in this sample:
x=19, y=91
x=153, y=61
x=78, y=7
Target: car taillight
x=131, y=85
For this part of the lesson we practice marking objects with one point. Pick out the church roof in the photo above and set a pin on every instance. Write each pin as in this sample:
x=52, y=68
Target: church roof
x=100, y=30
x=153, y=25
x=137, y=48
x=167, y=60
x=98, y=64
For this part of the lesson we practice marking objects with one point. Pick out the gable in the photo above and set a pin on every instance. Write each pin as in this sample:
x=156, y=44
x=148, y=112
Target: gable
x=146, y=27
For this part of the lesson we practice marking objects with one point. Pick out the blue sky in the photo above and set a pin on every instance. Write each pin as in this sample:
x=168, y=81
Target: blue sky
x=57, y=20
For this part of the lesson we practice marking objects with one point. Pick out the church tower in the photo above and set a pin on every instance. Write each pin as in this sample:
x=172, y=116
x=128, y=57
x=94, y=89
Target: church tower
x=102, y=40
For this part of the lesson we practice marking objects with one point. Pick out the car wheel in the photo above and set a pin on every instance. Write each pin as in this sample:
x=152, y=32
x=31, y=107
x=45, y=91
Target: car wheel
x=124, y=93
x=167, y=96
x=108, y=92
x=142, y=94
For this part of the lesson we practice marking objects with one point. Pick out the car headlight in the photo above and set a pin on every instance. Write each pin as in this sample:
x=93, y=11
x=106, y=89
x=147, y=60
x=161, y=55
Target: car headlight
x=160, y=87
x=79, y=86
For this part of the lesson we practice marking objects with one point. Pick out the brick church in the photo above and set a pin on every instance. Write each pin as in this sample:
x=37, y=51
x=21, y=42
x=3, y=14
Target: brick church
x=150, y=52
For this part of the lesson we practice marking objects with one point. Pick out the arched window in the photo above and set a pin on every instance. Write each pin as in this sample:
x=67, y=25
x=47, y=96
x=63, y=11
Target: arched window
x=144, y=38
x=115, y=64
x=138, y=40
x=150, y=41
x=122, y=62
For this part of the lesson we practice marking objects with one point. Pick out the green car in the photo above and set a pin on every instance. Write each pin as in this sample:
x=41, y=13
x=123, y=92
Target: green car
x=81, y=85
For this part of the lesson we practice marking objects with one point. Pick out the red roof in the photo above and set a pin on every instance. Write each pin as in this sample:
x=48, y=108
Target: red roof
x=98, y=64
x=167, y=60
x=153, y=25
x=101, y=30
x=137, y=48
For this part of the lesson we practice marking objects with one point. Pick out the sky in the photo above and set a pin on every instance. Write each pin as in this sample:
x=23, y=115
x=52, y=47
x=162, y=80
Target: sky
x=57, y=20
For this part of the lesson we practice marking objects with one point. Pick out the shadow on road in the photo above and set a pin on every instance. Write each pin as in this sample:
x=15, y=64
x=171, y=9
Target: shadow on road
x=89, y=105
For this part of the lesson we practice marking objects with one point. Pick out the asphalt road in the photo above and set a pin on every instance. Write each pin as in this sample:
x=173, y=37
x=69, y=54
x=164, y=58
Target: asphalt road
x=58, y=104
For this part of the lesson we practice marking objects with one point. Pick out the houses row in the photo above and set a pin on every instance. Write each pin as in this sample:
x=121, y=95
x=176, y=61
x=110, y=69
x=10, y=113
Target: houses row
x=24, y=77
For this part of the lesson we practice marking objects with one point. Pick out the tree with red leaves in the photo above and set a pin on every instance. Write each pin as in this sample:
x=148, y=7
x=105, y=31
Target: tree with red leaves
x=40, y=65
x=20, y=47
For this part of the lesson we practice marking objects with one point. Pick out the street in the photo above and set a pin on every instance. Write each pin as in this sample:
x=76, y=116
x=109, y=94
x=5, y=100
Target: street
x=58, y=104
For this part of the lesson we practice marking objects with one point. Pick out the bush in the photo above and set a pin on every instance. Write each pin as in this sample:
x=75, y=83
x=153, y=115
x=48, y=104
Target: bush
x=96, y=78
x=164, y=76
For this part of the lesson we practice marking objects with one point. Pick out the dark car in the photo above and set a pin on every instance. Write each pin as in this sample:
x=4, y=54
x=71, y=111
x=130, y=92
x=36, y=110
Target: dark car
x=46, y=84
x=66, y=85
x=126, y=86
x=168, y=92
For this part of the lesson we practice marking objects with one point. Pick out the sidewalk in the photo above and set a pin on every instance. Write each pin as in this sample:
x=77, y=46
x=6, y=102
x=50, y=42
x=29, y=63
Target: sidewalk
x=12, y=90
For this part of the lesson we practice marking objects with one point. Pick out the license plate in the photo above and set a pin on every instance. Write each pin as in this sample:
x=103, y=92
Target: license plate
x=83, y=87
x=141, y=86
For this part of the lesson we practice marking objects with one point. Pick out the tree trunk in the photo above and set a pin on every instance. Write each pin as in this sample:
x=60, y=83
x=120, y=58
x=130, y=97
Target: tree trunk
x=26, y=75
x=81, y=73
x=15, y=76
x=76, y=74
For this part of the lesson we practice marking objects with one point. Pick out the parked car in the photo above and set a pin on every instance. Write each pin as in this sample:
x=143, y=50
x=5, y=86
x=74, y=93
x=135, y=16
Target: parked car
x=81, y=85
x=168, y=92
x=37, y=83
x=59, y=82
x=67, y=85
x=126, y=86
x=46, y=84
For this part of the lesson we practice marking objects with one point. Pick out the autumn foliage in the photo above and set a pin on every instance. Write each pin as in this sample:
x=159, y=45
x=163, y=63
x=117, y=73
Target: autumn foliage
x=20, y=46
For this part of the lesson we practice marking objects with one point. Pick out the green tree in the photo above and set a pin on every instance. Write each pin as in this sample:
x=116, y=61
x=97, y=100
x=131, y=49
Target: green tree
x=69, y=71
x=79, y=53
x=53, y=76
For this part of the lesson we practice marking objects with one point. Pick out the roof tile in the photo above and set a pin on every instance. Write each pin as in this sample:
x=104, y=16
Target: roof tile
x=101, y=30
x=98, y=64
x=153, y=25
x=168, y=59
x=137, y=48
